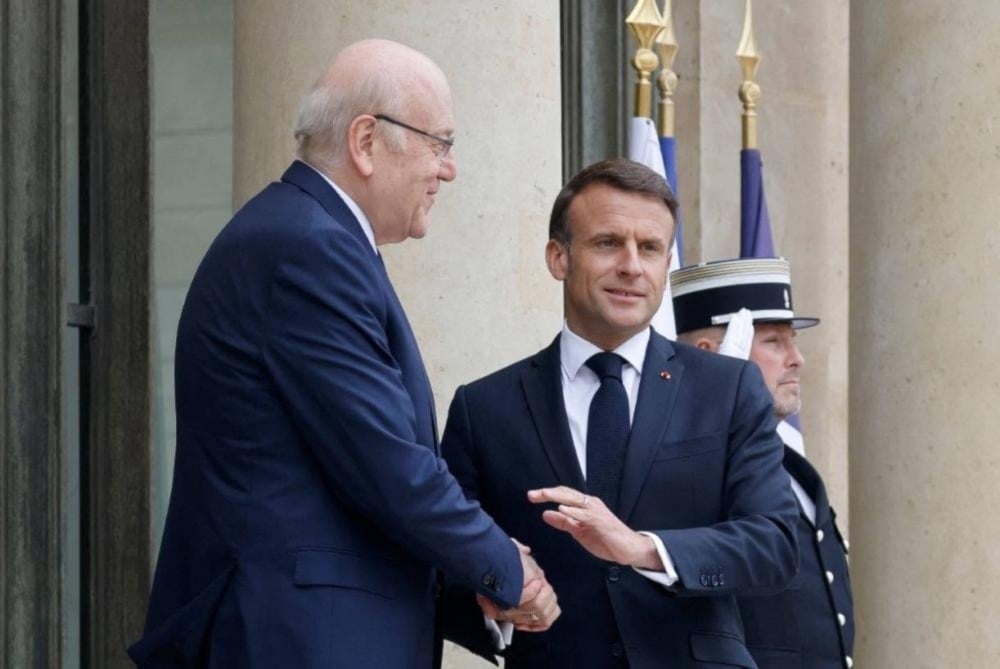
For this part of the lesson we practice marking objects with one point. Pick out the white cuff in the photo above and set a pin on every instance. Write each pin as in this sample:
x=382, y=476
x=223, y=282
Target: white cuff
x=502, y=633
x=668, y=576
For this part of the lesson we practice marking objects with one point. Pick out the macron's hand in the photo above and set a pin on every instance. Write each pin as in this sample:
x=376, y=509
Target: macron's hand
x=531, y=569
x=538, y=609
x=739, y=336
x=588, y=520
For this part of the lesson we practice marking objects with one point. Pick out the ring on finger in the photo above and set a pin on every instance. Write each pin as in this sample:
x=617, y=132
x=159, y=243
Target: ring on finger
x=535, y=618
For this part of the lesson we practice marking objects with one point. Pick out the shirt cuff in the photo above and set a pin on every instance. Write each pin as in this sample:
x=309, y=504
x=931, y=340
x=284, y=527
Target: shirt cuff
x=502, y=632
x=668, y=577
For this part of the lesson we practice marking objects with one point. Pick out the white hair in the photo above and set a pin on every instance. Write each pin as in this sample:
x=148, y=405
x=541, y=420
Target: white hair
x=328, y=110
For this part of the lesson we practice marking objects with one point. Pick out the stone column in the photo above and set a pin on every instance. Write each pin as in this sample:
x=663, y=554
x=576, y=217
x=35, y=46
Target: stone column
x=925, y=282
x=476, y=289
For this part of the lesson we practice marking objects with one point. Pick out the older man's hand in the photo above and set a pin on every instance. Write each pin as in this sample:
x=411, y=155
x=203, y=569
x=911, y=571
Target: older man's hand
x=539, y=606
x=588, y=520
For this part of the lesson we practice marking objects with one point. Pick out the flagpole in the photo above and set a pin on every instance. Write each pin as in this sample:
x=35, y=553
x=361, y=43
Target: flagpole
x=666, y=44
x=645, y=22
x=749, y=59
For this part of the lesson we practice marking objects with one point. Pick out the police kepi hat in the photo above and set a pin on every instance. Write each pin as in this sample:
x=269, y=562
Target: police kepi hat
x=711, y=293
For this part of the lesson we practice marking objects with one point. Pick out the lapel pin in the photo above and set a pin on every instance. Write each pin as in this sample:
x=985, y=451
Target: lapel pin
x=665, y=375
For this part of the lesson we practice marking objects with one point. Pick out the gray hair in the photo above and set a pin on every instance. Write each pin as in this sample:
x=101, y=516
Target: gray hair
x=328, y=110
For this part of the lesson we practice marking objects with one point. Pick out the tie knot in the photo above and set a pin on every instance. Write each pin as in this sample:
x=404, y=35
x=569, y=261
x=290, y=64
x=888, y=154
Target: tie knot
x=606, y=365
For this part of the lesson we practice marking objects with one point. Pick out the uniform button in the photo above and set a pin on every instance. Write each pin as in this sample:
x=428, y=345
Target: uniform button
x=617, y=649
x=829, y=577
x=849, y=662
x=614, y=574
x=842, y=619
x=819, y=536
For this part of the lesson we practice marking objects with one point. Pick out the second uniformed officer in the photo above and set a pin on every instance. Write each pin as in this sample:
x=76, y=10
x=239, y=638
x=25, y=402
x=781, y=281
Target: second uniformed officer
x=812, y=623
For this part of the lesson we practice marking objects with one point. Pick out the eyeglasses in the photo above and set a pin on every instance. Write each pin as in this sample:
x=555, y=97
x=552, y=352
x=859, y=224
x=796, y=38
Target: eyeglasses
x=442, y=145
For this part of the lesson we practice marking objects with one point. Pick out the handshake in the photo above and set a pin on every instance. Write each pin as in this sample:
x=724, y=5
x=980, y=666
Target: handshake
x=538, y=607
x=588, y=520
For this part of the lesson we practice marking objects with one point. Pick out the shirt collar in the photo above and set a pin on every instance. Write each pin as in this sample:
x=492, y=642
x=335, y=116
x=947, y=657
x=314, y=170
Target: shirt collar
x=366, y=225
x=574, y=350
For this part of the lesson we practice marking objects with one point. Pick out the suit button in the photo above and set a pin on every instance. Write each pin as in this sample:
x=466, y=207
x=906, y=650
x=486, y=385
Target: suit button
x=704, y=580
x=617, y=649
x=715, y=580
x=829, y=577
x=819, y=536
x=849, y=662
x=842, y=619
x=489, y=580
x=722, y=579
x=614, y=574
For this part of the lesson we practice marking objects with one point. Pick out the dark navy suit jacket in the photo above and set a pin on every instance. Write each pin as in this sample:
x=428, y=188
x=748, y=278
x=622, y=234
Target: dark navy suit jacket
x=309, y=507
x=811, y=624
x=702, y=471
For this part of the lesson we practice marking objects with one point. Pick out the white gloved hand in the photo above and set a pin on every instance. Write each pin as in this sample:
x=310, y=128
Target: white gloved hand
x=739, y=336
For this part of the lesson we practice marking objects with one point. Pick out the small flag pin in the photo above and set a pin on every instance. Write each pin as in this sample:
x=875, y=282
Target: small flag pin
x=665, y=375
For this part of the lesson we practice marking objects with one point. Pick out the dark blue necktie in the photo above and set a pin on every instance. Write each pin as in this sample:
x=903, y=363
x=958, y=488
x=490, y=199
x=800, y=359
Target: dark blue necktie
x=607, y=429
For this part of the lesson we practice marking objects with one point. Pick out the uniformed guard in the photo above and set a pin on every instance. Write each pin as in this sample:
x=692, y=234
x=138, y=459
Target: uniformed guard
x=744, y=308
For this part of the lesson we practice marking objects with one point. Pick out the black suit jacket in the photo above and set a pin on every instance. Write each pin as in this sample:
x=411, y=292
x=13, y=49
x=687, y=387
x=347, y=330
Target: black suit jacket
x=811, y=624
x=703, y=471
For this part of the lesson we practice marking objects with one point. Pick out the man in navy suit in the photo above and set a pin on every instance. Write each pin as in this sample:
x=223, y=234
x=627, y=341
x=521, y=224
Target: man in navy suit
x=744, y=308
x=646, y=475
x=310, y=510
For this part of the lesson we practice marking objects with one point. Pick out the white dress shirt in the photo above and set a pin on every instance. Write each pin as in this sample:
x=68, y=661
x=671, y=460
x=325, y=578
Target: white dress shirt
x=793, y=438
x=366, y=225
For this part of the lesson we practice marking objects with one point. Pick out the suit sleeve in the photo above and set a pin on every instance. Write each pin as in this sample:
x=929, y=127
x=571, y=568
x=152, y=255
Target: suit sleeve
x=326, y=348
x=754, y=551
x=462, y=617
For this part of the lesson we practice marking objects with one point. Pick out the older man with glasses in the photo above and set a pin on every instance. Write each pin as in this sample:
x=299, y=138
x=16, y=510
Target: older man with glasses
x=310, y=513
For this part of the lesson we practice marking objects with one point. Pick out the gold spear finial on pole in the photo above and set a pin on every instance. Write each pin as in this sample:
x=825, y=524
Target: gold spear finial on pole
x=645, y=22
x=666, y=44
x=749, y=59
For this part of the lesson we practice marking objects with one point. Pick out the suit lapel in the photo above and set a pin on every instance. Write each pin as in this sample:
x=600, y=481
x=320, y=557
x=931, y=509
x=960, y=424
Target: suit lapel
x=658, y=387
x=411, y=341
x=542, y=385
x=807, y=476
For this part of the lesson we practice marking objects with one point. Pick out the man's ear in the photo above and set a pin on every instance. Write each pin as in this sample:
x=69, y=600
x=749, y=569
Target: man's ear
x=360, y=144
x=557, y=258
x=706, y=344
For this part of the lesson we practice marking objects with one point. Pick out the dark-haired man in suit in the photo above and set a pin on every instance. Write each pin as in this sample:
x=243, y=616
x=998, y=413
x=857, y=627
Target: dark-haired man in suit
x=656, y=488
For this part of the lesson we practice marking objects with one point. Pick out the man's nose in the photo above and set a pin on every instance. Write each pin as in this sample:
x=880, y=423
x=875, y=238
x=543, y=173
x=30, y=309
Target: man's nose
x=795, y=358
x=629, y=264
x=448, y=169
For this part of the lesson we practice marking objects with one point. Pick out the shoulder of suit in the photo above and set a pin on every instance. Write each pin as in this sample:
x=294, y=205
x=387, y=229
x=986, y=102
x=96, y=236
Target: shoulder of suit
x=503, y=377
x=696, y=358
x=283, y=213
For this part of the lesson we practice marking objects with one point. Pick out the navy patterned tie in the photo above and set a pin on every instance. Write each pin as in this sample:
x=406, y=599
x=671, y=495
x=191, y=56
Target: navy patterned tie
x=607, y=429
